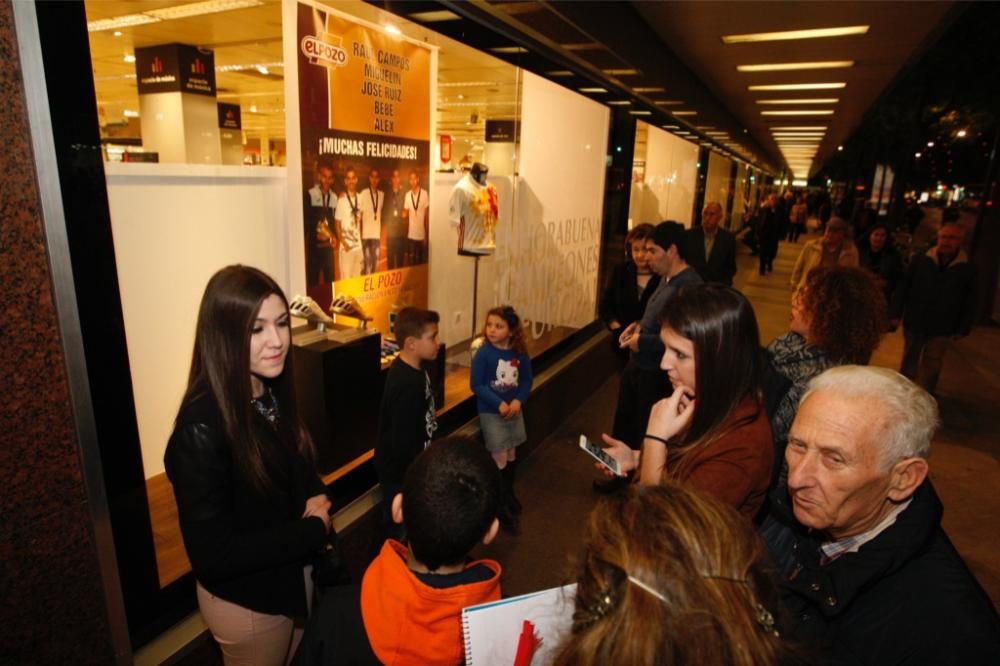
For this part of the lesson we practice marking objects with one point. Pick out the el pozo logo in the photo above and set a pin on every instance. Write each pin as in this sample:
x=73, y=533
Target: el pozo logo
x=324, y=52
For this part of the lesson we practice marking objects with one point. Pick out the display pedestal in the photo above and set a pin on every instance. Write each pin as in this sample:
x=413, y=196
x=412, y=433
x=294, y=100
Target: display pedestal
x=339, y=389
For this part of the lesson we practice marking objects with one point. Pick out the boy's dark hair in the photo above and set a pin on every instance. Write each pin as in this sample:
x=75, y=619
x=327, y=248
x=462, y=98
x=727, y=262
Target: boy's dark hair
x=450, y=498
x=411, y=322
x=671, y=233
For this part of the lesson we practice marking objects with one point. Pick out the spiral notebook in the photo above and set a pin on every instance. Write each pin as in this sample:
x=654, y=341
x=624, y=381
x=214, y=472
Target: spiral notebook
x=494, y=630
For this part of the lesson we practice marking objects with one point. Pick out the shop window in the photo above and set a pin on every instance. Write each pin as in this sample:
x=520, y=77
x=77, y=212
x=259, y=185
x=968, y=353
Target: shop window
x=176, y=222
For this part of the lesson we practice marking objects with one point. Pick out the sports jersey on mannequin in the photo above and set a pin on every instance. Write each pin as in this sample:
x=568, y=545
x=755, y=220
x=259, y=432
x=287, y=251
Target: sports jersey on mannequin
x=473, y=209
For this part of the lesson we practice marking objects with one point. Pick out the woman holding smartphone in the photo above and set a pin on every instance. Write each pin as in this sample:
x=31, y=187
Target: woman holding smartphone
x=252, y=509
x=713, y=432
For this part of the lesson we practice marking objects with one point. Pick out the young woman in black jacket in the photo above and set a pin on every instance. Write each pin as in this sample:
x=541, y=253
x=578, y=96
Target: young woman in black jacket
x=252, y=509
x=629, y=287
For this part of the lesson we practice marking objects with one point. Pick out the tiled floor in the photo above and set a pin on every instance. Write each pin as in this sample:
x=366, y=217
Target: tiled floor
x=555, y=481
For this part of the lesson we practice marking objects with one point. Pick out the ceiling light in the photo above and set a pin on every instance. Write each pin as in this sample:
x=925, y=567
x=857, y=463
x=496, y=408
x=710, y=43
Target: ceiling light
x=647, y=89
x=559, y=73
x=960, y=133
x=917, y=155
x=799, y=86
x=684, y=113
x=671, y=127
x=620, y=102
x=620, y=72
x=592, y=90
x=434, y=16
x=200, y=8
x=668, y=102
x=641, y=113
x=839, y=148
x=799, y=112
x=508, y=49
x=799, y=128
x=584, y=46
x=930, y=144
x=124, y=21
x=393, y=30
x=789, y=66
x=467, y=84
x=813, y=33
x=812, y=100
x=129, y=57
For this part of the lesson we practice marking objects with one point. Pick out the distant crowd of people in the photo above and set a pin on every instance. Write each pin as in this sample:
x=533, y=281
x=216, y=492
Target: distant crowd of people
x=773, y=504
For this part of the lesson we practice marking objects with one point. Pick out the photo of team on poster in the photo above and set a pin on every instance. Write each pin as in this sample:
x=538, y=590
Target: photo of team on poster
x=363, y=218
x=364, y=113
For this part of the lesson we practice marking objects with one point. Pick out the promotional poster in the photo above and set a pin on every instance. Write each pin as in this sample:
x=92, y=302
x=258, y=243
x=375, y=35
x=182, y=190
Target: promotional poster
x=364, y=113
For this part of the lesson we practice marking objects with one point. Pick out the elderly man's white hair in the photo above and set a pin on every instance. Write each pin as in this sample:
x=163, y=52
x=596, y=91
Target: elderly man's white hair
x=910, y=413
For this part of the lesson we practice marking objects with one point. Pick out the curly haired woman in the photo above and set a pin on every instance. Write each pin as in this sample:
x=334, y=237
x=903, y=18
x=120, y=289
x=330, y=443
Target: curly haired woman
x=838, y=317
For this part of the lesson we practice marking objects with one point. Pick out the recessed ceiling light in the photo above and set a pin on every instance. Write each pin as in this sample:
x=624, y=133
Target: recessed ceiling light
x=671, y=127
x=798, y=135
x=508, y=49
x=668, y=102
x=684, y=113
x=799, y=112
x=124, y=21
x=620, y=102
x=799, y=128
x=592, y=90
x=647, y=89
x=799, y=86
x=434, y=16
x=467, y=84
x=808, y=100
x=620, y=72
x=813, y=33
x=560, y=73
x=641, y=113
x=790, y=66
x=190, y=9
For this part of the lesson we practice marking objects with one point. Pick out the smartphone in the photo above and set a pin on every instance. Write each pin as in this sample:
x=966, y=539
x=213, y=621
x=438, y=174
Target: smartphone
x=600, y=455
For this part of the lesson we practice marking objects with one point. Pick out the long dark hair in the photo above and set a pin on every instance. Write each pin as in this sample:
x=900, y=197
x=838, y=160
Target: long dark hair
x=220, y=369
x=729, y=363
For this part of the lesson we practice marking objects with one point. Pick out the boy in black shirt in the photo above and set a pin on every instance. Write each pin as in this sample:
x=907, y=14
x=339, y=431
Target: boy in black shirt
x=407, y=418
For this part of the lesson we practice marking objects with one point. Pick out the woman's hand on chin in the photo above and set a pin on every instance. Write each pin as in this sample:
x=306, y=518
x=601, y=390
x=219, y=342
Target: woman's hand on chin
x=672, y=415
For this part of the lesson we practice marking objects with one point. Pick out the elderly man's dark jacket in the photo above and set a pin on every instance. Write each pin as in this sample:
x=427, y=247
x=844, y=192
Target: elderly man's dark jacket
x=905, y=597
x=720, y=265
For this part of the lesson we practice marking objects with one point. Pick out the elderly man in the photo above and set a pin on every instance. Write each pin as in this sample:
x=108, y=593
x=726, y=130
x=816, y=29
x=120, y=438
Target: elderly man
x=936, y=300
x=868, y=575
x=712, y=249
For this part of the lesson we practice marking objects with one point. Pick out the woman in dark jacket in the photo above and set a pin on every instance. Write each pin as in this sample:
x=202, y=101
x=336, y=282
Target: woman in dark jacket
x=877, y=253
x=629, y=287
x=252, y=509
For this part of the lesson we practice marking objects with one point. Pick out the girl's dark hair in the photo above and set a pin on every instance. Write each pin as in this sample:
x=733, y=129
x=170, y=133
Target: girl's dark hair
x=729, y=362
x=220, y=369
x=507, y=313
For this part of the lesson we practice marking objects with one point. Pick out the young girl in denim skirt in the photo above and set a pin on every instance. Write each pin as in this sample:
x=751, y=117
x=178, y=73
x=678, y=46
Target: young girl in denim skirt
x=501, y=379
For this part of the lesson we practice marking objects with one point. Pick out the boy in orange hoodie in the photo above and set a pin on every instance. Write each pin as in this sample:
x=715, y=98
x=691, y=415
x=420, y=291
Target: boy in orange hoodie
x=409, y=610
